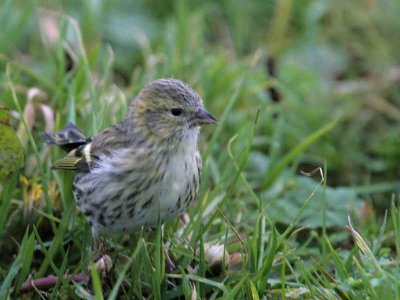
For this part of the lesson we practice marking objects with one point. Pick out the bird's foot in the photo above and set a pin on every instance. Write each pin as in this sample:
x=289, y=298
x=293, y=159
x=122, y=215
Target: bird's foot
x=102, y=259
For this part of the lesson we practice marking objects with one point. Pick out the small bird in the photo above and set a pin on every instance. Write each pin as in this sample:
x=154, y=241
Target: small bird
x=143, y=168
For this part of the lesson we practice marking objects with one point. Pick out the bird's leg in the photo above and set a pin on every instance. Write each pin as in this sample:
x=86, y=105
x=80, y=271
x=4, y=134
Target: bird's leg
x=168, y=261
x=100, y=246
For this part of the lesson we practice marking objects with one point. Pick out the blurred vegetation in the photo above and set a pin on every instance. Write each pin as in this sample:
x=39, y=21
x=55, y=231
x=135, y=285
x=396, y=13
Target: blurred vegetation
x=324, y=76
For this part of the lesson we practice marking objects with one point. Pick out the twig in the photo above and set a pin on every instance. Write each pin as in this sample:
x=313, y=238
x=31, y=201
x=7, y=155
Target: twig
x=313, y=172
x=49, y=282
x=234, y=230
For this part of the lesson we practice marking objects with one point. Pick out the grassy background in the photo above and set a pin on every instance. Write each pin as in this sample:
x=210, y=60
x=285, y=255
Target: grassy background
x=296, y=85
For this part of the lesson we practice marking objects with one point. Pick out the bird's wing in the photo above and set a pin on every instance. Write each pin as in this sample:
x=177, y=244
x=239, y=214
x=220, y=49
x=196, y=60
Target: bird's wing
x=69, y=138
x=78, y=159
x=109, y=140
x=85, y=156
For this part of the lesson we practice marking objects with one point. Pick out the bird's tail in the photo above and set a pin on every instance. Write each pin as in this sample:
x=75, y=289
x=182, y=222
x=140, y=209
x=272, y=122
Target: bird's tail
x=68, y=139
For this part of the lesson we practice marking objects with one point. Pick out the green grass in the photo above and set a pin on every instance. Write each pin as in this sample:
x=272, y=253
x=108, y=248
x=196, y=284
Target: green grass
x=299, y=237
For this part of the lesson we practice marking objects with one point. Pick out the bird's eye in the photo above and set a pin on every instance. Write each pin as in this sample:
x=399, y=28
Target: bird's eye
x=176, y=111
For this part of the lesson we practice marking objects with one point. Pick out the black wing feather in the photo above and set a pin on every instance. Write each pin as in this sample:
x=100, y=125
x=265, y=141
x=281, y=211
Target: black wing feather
x=69, y=138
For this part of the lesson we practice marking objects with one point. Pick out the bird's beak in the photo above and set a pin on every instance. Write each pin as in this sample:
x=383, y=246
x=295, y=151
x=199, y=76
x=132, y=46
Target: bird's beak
x=202, y=117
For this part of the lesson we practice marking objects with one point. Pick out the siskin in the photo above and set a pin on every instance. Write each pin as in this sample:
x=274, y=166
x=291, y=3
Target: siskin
x=143, y=168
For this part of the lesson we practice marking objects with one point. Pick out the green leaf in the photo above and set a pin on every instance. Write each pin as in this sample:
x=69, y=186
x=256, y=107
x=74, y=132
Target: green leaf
x=253, y=289
x=5, y=199
x=236, y=289
x=206, y=281
x=11, y=151
x=14, y=269
x=27, y=256
x=96, y=282
x=340, y=202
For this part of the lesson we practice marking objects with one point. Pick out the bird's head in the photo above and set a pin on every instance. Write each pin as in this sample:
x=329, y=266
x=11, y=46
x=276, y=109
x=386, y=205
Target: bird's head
x=170, y=107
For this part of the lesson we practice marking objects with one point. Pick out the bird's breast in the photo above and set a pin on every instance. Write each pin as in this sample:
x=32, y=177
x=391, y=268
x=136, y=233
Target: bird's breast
x=181, y=183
